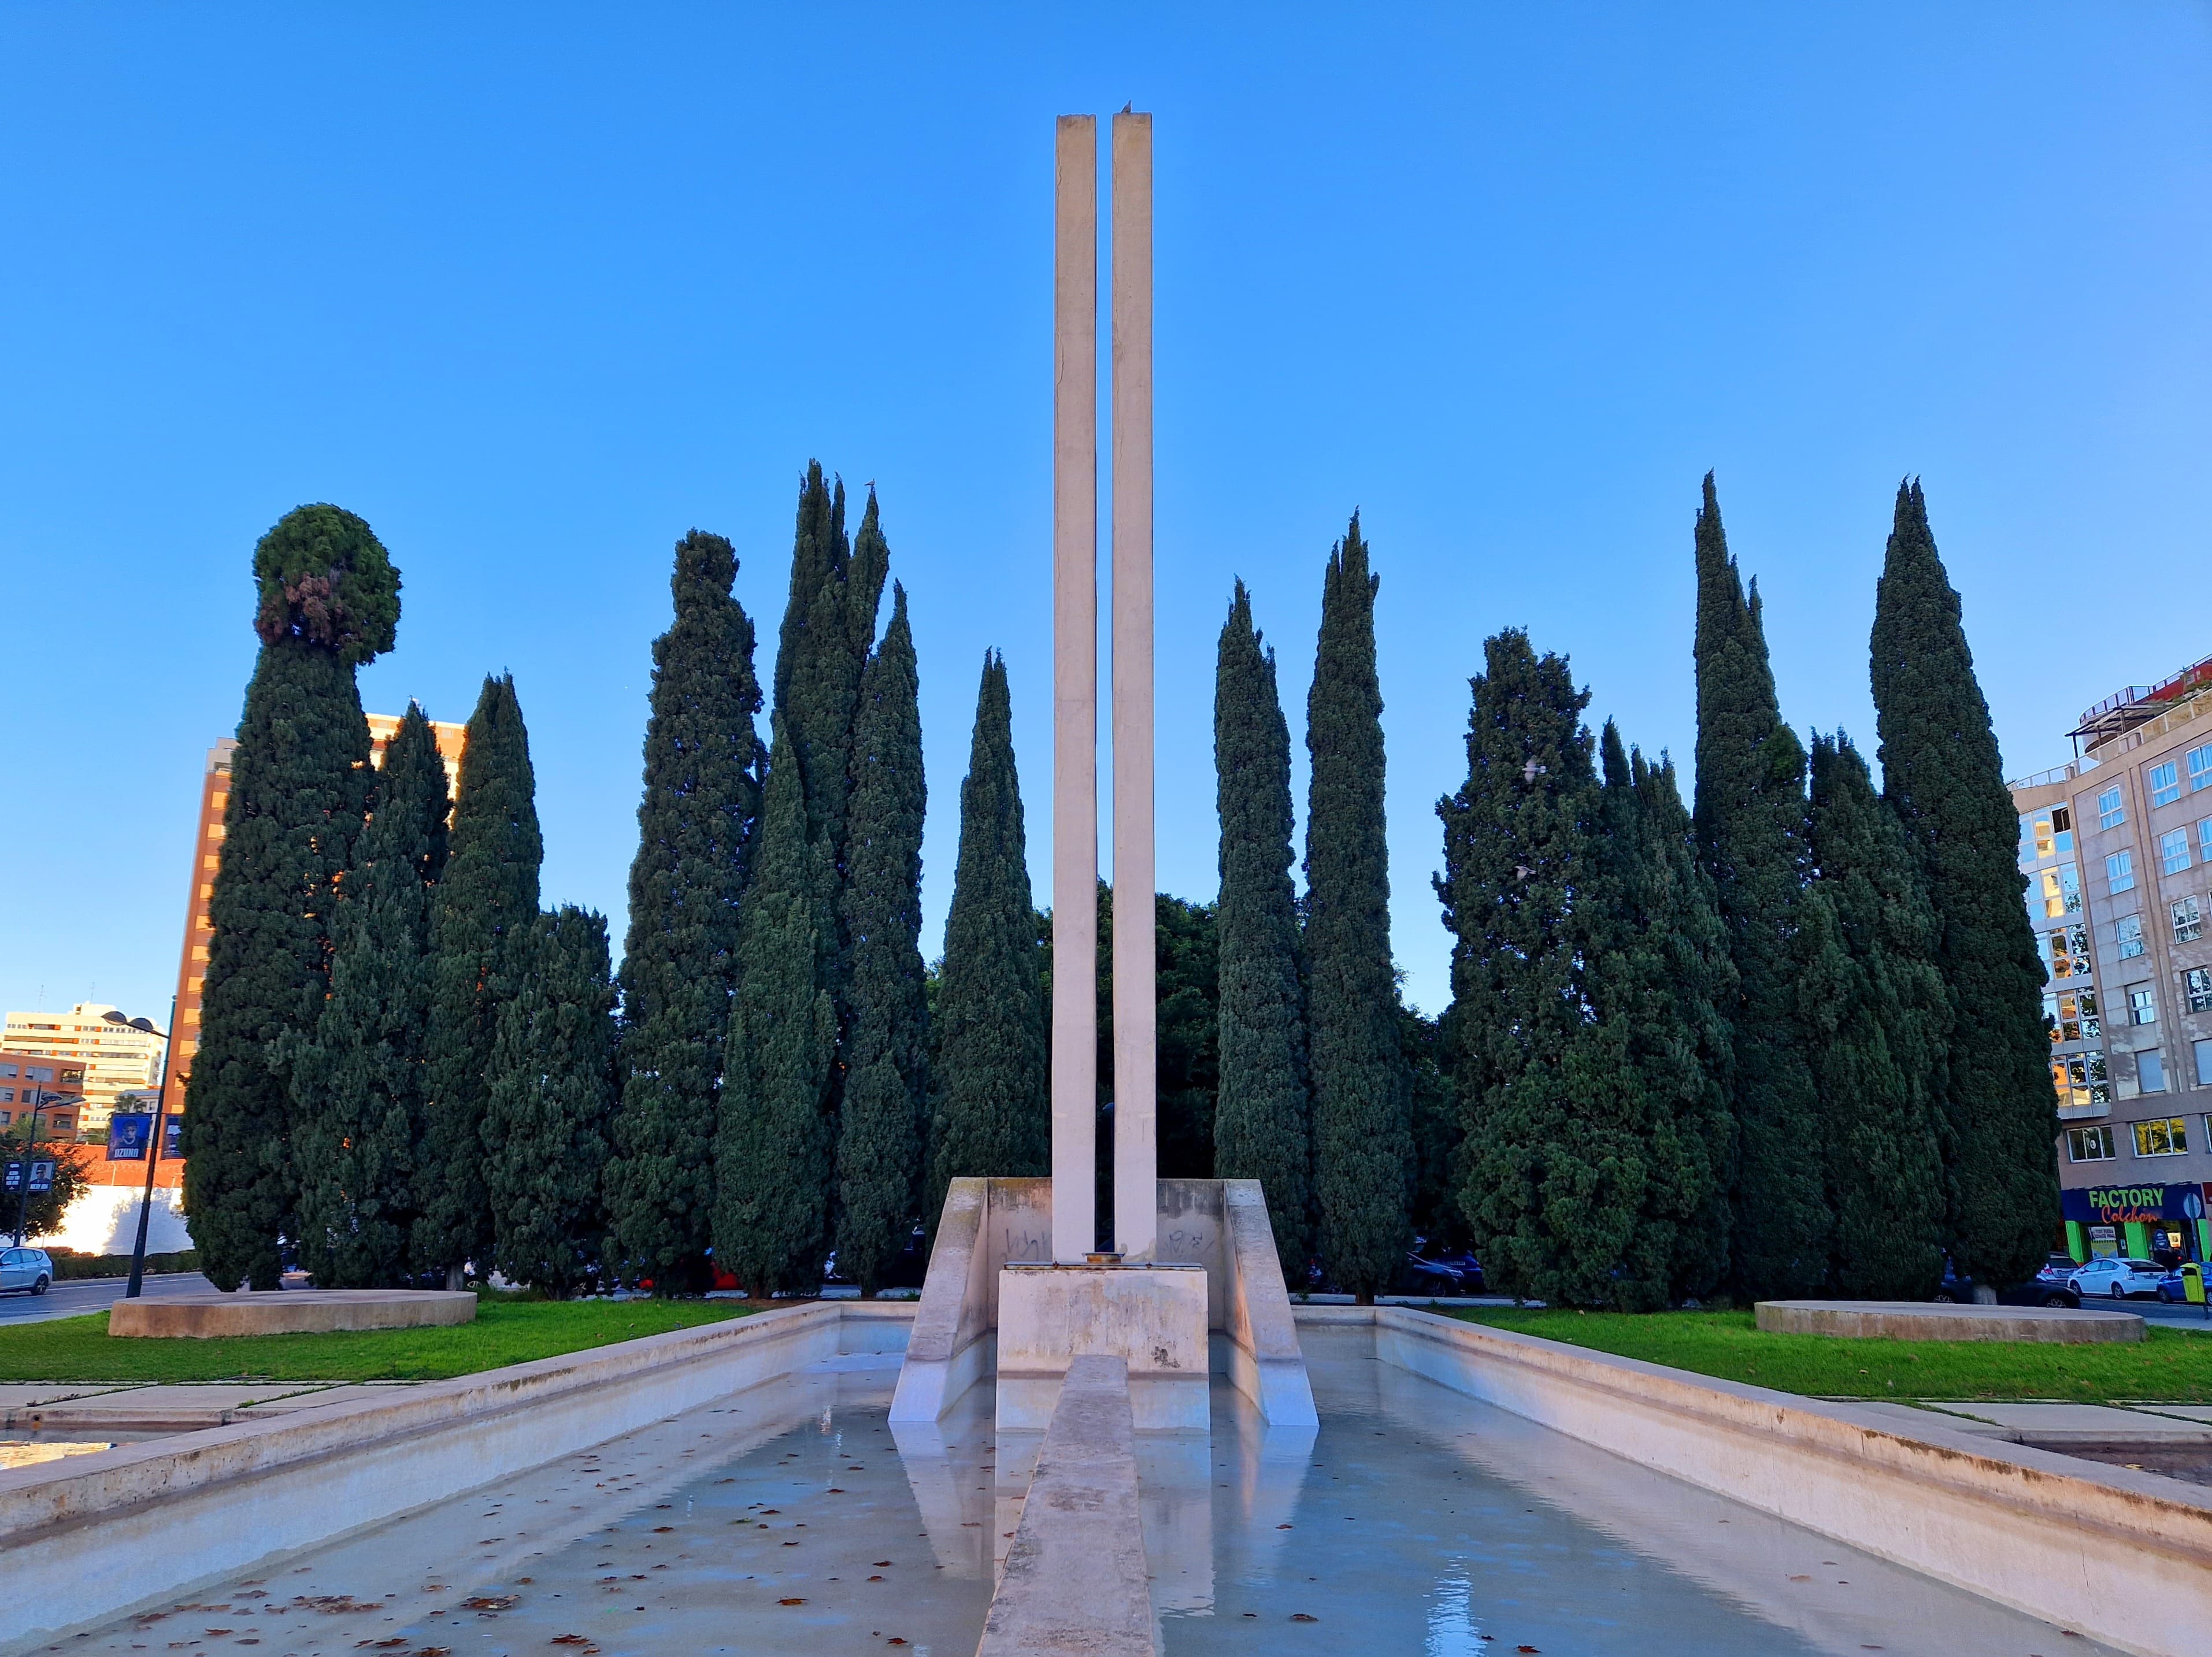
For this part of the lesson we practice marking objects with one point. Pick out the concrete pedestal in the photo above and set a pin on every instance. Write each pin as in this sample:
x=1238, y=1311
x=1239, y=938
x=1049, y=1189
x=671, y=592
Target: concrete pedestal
x=1931, y=1321
x=290, y=1311
x=1152, y=1316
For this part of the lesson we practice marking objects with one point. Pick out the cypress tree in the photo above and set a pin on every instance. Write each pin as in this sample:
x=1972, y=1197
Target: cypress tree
x=989, y=1109
x=1263, y=1122
x=488, y=897
x=1873, y=1003
x=822, y=649
x=548, y=1102
x=1943, y=777
x=1556, y=1171
x=886, y=1050
x=1750, y=818
x=703, y=762
x=300, y=780
x=772, y=1157
x=1682, y=922
x=1186, y=1035
x=1660, y=954
x=357, y=1085
x=1363, y=1137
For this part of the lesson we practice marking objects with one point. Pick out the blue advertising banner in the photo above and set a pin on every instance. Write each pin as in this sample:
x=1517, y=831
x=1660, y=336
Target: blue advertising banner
x=172, y=1137
x=128, y=1133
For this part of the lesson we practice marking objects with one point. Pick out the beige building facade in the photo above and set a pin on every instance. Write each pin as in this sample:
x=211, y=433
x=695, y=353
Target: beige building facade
x=114, y=1058
x=2117, y=846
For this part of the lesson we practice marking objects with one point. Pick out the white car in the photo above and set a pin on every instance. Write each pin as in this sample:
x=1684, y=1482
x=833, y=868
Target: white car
x=26, y=1269
x=2119, y=1279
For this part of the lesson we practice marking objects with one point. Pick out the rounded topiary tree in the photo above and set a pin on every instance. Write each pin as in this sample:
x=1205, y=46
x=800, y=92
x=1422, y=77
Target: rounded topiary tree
x=299, y=789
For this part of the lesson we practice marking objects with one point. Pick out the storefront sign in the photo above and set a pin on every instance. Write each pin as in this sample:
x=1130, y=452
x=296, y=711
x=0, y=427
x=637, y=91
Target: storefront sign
x=2133, y=1204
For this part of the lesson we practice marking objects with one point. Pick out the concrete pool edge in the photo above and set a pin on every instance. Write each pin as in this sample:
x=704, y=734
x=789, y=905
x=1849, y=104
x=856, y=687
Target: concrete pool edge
x=99, y=1536
x=2124, y=1557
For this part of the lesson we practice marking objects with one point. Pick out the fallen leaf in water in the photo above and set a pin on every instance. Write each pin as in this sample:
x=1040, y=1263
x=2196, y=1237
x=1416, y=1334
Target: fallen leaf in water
x=217, y=1631
x=1300, y=1616
x=791, y=1602
x=883, y=1562
x=834, y=1490
x=492, y=1602
x=1801, y=1579
x=433, y=1651
x=876, y=1579
x=662, y=1530
x=1282, y=1527
x=572, y=1640
x=1526, y=1647
x=894, y=1641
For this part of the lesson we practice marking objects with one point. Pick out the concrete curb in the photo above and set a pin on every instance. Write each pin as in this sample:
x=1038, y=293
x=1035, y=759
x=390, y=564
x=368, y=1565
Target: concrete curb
x=1075, y=1578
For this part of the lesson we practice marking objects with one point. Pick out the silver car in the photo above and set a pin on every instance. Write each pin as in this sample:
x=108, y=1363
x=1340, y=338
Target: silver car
x=26, y=1269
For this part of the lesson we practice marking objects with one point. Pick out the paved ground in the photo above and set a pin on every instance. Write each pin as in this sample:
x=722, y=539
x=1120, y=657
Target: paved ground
x=79, y=1295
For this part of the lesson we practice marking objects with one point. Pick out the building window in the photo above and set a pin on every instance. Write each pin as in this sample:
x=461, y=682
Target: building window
x=2080, y=1083
x=2143, y=1006
x=2204, y=1051
x=2072, y=1014
x=2197, y=988
x=2150, y=1072
x=2167, y=1136
x=2173, y=850
x=2120, y=870
x=2165, y=783
x=2188, y=921
x=2066, y=952
x=2061, y=890
x=2129, y=934
x=2110, y=814
x=2090, y=1144
x=2046, y=833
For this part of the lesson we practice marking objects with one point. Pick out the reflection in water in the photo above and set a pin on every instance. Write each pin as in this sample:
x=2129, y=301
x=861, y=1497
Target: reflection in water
x=1429, y=1523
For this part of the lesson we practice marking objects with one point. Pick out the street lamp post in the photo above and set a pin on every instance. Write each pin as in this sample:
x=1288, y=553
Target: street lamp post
x=154, y=1146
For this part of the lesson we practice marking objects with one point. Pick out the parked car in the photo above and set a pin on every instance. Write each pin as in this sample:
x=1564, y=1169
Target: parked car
x=28, y=1269
x=2170, y=1289
x=2117, y=1279
x=2039, y=1291
x=2057, y=1268
x=1440, y=1273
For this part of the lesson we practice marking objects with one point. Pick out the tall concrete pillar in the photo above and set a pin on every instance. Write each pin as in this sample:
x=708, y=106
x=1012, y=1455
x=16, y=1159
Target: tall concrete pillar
x=1075, y=690
x=1136, y=1111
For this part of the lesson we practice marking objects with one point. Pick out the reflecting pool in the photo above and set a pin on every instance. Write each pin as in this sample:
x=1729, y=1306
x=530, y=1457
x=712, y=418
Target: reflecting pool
x=790, y=1518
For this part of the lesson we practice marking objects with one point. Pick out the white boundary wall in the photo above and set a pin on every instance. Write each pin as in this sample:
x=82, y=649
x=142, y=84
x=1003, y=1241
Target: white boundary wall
x=2122, y=1557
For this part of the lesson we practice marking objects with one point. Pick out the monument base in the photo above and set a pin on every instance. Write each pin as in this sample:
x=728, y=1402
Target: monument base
x=1152, y=1316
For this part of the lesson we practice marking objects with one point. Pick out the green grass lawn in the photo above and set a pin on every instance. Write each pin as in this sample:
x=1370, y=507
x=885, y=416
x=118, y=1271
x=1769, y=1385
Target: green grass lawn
x=506, y=1330
x=2167, y=1366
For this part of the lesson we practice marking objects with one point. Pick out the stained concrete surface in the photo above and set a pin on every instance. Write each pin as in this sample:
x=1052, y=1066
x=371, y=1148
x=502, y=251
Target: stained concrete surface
x=1930, y=1320
x=288, y=1312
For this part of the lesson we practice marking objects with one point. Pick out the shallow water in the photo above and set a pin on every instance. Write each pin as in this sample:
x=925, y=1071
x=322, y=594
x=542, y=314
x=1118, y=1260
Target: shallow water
x=790, y=1519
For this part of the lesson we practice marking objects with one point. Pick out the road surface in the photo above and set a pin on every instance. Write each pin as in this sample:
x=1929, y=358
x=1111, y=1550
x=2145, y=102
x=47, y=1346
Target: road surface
x=79, y=1295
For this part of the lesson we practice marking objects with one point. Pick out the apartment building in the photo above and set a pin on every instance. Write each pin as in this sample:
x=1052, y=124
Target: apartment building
x=113, y=1059
x=207, y=857
x=2117, y=847
x=25, y=1078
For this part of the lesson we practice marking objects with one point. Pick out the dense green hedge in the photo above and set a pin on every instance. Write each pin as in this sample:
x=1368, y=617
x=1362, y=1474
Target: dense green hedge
x=69, y=1264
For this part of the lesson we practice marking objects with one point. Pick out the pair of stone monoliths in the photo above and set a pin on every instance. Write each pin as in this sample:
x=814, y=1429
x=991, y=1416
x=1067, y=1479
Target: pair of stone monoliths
x=1075, y=690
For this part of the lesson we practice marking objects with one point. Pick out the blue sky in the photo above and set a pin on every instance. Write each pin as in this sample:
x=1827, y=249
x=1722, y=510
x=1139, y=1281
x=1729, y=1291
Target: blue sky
x=536, y=290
